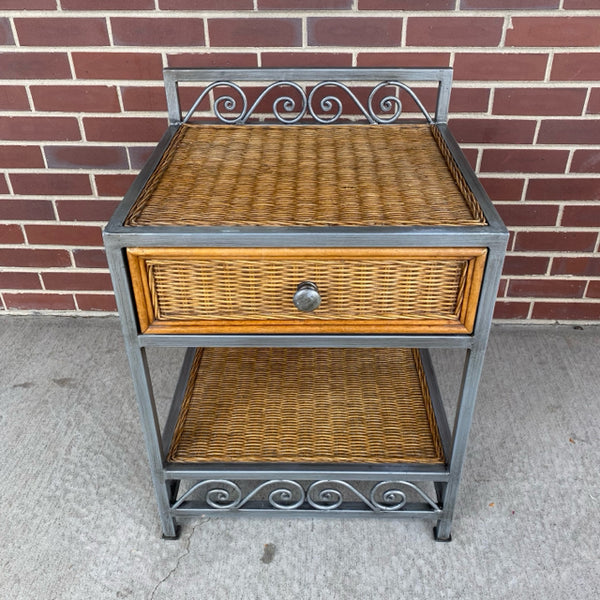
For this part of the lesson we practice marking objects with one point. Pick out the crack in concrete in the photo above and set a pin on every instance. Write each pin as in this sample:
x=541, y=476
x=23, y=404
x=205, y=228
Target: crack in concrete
x=185, y=552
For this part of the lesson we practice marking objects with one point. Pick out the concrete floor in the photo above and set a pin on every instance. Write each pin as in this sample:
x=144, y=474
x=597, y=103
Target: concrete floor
x=78, y=518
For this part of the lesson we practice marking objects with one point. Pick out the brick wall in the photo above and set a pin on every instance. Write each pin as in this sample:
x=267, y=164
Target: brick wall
x=82, y=104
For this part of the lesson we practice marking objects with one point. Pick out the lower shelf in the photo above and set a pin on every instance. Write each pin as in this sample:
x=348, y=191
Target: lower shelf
x=304, y=405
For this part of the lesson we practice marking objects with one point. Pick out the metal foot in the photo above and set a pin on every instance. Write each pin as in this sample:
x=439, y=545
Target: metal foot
x=437, y=538
x=173, y=537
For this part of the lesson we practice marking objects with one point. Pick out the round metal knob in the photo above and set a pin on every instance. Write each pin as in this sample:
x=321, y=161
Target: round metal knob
x=307, y=296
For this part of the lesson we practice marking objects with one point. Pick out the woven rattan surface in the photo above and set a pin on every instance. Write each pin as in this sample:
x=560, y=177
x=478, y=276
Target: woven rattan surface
x=350, y=289
x=282, y=175
x=308, y=406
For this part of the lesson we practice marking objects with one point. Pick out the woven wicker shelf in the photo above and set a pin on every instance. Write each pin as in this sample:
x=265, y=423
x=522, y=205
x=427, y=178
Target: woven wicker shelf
x=306, y=176
x=302, y=405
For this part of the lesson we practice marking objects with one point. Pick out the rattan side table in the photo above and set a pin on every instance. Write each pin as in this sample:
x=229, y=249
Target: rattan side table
x=308, y=240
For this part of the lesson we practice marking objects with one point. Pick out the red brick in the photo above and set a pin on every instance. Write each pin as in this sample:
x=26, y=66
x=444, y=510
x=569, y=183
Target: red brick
x=104, y=302
x=39, y=128
x=352, y=31
x=117, y=65
x=548, y=101
x=478, y=66
x=11, y=234
x=137, y=31
x=546, y=288
x=144, y=99
x=593, y=290
x=525, y=265
x=26, y=210
x=522, y=214
x=50, y=184
x=13, y=97
x=113, y=185
x=594, y=102
x=563, y=189
x=75, y=98
x=586, y=161
x=85, y=210
x=39, y=301
x=90, y=259
x=402, y=59
x=101, y=5
x=554, y=31
x=469, y=100
x=6, y=36
x=304, y=4
x=511, y=310
x=306, y=59
x=566, y=311
x=581, y=216
x=524, y=160
x=471, y=154
x=139, y=155
x=503, y=189
x=3, y=185
x=59, y=32
x=445, y=31
x=555, y=241
x=255, y=32
x=406, y=5
x=33, y=257
x=580, y=66
x=28, y=4
x=76, y=281
x=21, y=157
x=569, y=131
x=124, y=129
x=502, y=288
x=13, y=280
x=213, y=59
x=581, y=265
x=493, y=131
x=64, y=235
x=508, y=4
x=206, y=4
x=34, y=65
x=580, y=4
x=86, y=157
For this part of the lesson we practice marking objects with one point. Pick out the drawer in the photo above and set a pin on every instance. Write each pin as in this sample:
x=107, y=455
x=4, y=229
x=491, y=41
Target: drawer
x=252, y=290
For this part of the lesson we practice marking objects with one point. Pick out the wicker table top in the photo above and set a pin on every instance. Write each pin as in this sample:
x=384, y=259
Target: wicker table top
x=319, y=175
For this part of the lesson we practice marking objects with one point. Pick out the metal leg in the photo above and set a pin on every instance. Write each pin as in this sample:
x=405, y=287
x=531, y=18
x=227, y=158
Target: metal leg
x=462, y=423
x=151, y=430
x=143, y=390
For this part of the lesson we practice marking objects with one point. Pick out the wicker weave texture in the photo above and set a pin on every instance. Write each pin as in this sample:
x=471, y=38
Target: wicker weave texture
x=307, y=406
x=306, y=176
x=350, y=289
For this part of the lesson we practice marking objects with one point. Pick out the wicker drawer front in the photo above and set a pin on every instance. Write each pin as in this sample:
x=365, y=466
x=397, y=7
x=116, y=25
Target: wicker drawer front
x=221, y=290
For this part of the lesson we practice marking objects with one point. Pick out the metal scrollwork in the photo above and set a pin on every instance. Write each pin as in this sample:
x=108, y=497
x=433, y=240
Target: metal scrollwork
x=282, y=497
x=289, y=110
x=227, y=495
x=322, y=495
x=287, y=103
x=328, y=102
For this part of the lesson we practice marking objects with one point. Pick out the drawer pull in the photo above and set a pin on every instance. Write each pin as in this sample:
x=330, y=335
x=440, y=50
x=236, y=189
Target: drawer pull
x=307, y=296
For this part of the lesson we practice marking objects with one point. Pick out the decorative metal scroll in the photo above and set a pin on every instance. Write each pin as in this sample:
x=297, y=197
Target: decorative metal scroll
x=233, y=107
x=322, y=495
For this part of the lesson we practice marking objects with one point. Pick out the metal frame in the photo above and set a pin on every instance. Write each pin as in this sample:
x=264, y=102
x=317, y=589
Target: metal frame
x=167, y=477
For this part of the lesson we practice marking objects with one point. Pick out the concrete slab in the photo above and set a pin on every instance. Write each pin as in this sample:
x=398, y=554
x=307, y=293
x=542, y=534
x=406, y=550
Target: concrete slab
x=78, y=518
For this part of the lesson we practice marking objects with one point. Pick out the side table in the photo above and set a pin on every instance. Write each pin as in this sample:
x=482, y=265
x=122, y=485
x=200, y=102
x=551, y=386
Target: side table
x=308, y=235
